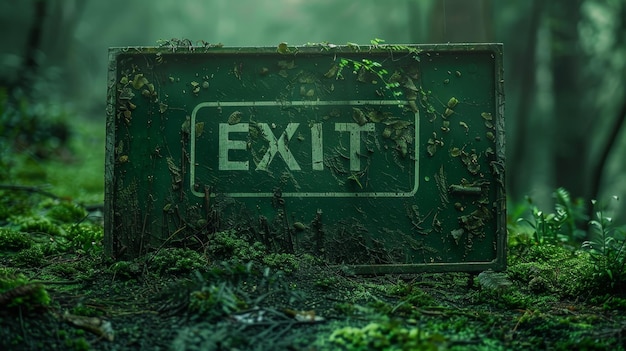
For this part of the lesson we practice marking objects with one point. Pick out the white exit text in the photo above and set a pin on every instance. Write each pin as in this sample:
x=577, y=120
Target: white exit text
x=280, y=145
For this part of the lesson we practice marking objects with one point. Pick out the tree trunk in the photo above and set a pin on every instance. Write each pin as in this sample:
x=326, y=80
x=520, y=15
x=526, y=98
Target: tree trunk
x=521, y=122
x=461, y=21
x=33, y=47
x=570, y=115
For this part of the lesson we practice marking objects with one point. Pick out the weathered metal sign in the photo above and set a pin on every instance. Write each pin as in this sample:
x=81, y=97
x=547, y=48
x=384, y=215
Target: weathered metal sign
x=387, y=158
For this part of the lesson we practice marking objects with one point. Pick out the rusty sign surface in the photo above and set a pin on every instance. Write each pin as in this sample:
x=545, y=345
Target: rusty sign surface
x=388, y=158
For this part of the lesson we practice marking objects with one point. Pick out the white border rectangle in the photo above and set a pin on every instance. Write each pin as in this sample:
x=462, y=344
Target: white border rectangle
x=302, y=103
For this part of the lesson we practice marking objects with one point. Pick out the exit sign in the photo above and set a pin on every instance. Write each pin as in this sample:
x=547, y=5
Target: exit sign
x=386, y=158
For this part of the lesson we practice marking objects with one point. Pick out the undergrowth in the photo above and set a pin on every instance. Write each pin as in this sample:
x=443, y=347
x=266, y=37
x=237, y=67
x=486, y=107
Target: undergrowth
x=564, y=251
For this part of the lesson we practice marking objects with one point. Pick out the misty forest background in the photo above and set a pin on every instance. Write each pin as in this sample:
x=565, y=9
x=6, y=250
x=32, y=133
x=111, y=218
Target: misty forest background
x=565, y=70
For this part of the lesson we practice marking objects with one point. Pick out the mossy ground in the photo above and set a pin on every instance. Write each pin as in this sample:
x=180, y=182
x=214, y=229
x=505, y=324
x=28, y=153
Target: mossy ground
x=236, y=295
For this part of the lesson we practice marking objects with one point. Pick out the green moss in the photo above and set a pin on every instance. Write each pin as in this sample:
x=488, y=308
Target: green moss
x=31, y=257
x=86, y=237
x=541, y=253
x=78, y=344
x=65, y=269
x=177, y=261
x=22, y=293
x=551, y=269
x=88, y=311
x=411, y=294
x=568, y=331
x=285, y=262
x=62, y=211
x=11, y=240
x=228, y=245
x=327, y=282
x=36, y=224
x=126, y=269
x=383, y=335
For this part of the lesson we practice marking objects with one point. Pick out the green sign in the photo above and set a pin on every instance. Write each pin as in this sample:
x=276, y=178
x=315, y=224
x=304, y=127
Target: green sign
x=388, y=159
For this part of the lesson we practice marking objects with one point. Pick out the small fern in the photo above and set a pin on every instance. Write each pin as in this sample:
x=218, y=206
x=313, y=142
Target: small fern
x=607, y=248
x=574, y=217
x=564, y=226
x=494, y=281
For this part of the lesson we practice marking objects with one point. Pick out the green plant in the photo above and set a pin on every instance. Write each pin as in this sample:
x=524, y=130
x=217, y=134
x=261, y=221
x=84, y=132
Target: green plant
x=609, y=302
x=495, y=281
x=367, y=71
x=574, y=217
x=216, y=300
x=563, y=226
x=214, y=295
x=384, y=335
x=546, y=225
x=607, y=249
x=370, y=71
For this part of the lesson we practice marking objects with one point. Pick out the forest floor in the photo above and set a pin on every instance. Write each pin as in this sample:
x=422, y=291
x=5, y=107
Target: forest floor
x=59, y=292
x=248, y=307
